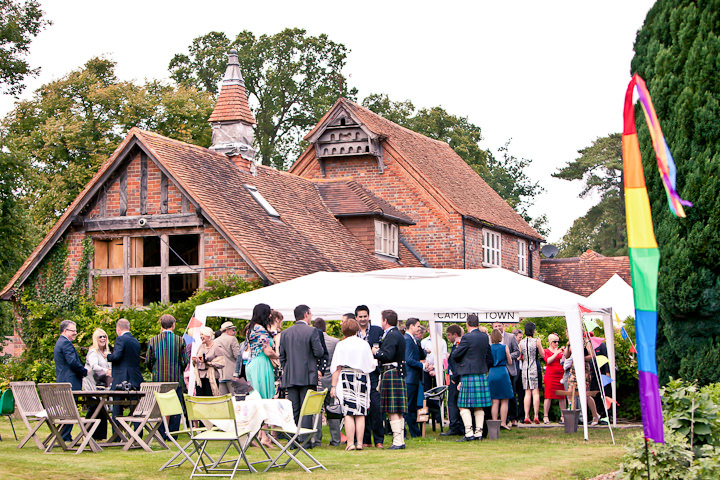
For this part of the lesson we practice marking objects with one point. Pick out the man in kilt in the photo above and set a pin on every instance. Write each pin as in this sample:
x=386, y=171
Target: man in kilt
x=391, y=357
x=473, y=359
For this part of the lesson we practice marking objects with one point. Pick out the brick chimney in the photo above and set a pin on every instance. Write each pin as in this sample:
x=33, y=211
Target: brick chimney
x=232, y=121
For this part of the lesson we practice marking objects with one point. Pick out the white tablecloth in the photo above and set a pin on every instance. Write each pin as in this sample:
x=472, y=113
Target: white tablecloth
x=254, y=410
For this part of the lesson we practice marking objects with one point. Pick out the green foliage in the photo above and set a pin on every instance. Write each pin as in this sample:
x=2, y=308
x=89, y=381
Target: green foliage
x=677, y=52
x=21, y=22
x=504, y=173
x=669, y=461
x=692, y=411
x=291, y=78
x=602, y=228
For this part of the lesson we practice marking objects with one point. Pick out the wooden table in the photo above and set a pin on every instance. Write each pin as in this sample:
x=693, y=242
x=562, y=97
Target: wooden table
x=102, y=398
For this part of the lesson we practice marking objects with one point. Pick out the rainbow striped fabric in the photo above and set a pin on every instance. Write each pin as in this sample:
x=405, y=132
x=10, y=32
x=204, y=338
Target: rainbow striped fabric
x=644, y=253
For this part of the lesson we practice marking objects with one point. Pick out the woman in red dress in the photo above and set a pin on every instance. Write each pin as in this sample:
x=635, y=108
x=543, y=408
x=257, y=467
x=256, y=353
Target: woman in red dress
x=554, y=358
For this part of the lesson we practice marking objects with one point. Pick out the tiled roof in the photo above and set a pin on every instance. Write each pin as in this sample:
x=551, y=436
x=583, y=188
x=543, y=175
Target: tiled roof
x=349, y=198
x=584, y=274
x=305, y=239
x=453, y=178
x=232, y=105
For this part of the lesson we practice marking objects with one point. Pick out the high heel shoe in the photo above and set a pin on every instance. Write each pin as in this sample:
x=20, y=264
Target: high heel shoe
x=536, y=421
x=546, y=420
x=527, y=421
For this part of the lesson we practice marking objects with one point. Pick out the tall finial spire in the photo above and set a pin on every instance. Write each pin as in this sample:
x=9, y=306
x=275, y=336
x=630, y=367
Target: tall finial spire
x=232, y=121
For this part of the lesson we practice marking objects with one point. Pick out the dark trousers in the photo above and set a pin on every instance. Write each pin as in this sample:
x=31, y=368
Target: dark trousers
x=66, y=432
x=296, y=395
x=101, y=430
x=411, y=415
x=374, y=420
x=456, y=423
x=520, y=396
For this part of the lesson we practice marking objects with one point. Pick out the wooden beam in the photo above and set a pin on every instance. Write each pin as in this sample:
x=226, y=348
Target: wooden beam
x=116, y=272
x=175, y=220
x=164, y=279
x=163, y=193
x=143, y=182
x=127, y=297
x=123, y=193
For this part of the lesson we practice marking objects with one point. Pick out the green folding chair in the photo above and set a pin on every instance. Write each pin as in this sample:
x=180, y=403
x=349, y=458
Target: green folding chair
x=207, y=409
x=7, y=408
x=312, y=405
x=169, y=405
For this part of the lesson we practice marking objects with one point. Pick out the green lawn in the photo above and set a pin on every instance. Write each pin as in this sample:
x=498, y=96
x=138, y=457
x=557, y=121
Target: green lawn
x=524, y=453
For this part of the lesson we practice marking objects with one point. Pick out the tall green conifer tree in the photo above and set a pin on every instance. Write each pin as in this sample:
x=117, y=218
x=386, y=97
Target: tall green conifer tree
x=677, y=52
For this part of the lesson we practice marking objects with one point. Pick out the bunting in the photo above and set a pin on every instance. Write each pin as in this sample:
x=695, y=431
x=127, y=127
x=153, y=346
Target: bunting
x=644, y=253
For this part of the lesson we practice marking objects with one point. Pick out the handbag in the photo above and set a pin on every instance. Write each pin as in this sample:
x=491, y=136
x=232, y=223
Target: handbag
x=334, y=410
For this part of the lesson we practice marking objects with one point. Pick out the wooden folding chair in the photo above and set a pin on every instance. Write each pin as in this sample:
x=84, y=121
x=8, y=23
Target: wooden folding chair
x=59, y=403
x=169, y=405
x=31, y=411
x=205, y=409
x=146, y=416
x=312, y=405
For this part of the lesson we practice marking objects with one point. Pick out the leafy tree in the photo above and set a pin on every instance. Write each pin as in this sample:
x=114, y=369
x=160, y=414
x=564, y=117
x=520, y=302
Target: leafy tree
x=59, y=138
x=21, y=22
x=292, y=79
x=505, y=174
x=602, y=228
x=677, y=52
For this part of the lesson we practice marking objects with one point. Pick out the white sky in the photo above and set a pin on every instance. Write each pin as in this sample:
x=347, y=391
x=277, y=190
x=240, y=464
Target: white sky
x=551, y=75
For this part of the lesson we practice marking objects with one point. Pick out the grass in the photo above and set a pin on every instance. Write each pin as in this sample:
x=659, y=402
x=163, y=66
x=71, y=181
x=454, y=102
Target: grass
x=523, y=453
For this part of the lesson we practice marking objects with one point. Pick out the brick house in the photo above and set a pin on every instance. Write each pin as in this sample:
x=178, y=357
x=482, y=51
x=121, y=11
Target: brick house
x=164, y=216
x=584, y=274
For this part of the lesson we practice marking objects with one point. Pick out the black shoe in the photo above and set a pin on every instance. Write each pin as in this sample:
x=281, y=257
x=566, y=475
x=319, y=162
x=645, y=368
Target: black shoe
x=396, y=447
x=465, y=439
x=449, y=434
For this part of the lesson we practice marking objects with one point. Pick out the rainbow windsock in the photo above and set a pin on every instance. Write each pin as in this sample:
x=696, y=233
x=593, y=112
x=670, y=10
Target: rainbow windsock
x=644, y=253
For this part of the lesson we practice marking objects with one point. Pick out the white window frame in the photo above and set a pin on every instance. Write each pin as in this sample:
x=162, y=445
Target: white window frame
x=492, y=248
x=522, y=257
x=386, y=238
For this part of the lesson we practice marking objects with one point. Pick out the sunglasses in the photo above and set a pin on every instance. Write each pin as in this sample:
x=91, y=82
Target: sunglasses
x=555, y=341
x=102, y=336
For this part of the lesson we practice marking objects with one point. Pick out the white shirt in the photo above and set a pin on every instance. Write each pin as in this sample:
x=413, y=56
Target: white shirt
x=427, y=344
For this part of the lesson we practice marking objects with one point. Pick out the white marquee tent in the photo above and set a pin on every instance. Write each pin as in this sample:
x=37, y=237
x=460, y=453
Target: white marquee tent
x=435, y=295
x=617, y=294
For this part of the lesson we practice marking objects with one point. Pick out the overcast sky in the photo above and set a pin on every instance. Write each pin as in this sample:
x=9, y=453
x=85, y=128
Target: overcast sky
x=550, y=75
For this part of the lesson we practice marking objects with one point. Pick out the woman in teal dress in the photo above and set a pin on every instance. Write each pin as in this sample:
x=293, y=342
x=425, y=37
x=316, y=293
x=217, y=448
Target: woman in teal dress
x=259, y=370
x=499, y=379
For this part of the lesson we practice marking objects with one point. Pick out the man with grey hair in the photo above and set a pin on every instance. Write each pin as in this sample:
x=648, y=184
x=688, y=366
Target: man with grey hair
x=68, y=367
x=125, y=360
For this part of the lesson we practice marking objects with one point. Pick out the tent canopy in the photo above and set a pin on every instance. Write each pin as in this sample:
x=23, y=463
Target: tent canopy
x=618, y=294
x=495, y=294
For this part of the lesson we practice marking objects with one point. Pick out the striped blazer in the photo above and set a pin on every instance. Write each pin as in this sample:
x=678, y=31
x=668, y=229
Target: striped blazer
x=166, y=357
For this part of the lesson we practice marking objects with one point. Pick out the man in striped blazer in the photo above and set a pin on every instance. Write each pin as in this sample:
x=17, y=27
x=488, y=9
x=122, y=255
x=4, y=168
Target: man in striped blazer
x=166, y=359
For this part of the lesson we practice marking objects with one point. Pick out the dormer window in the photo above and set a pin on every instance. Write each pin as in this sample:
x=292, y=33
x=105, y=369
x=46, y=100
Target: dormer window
x=261, y=201
x=386, y=238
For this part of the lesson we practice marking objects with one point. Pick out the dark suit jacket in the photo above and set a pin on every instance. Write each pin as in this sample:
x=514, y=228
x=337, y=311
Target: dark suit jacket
x=374, y=335
x=392, y=347
x=125, y=361
x=413, y=354
x=300, y=349
x=68, y=367
x=452, y=366
x=472, y=356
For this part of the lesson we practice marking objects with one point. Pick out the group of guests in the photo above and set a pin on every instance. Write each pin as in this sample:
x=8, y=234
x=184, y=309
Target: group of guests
x=373, y=373
x=119, y=369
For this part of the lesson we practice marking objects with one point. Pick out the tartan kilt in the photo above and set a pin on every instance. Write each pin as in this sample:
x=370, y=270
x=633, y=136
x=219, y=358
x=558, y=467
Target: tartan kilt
x=392, y=392
x=474, y=392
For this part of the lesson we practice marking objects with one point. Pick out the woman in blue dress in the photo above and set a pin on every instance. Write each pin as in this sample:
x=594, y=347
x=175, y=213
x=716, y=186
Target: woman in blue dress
x=499, y=379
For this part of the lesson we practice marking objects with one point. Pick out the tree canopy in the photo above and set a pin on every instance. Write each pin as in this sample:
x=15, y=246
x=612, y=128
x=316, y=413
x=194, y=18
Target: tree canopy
x=602, y=228
x=291, y=78
x=21, y=22
x=677, y=52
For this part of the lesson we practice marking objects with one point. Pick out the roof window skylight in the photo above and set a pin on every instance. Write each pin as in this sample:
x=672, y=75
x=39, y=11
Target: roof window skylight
x=261, y=200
